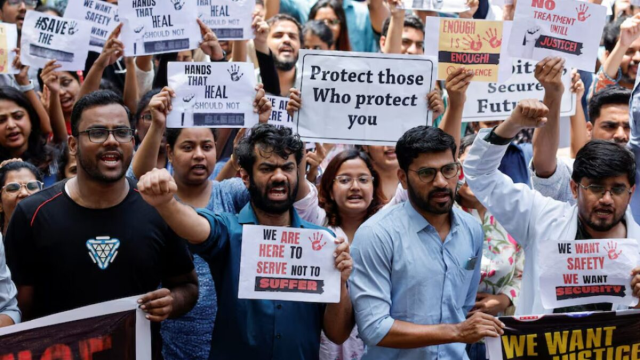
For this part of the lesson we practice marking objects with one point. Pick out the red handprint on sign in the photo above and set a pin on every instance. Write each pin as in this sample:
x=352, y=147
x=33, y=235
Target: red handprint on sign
x=315, y=242
x=611, y=249
x=582, y=12
x=472, y=44
x=492, y=38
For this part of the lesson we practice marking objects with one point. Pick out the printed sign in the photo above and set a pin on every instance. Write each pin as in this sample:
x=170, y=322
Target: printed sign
x=212, y=95
x=443, y=6
x=114, y=330
x=8, y=44
x=229, y=19
x=159, y=26
x=476, y=44
x=47, y=37
x=568, y=29
x=491, y=101
x=367, y=99
x=102, y=16
x=587, y=271
x=289, y=264
x=594, y=336
x=279, y=115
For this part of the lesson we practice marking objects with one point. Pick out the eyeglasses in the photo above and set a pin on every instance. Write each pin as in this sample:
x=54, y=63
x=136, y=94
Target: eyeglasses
x=427, y=175
x=31, y=186
x=331, y=22
x=27, y=3
x=146, y=116
x=599, y=190
x=99, y=135
x=346, y=180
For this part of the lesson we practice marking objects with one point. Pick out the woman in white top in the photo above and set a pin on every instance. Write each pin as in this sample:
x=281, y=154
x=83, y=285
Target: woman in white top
x=349, y=194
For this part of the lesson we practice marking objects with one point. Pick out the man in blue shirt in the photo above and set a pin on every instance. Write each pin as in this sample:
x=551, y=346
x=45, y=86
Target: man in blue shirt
x=418, y=263
x=256, y=329
x=9, y=312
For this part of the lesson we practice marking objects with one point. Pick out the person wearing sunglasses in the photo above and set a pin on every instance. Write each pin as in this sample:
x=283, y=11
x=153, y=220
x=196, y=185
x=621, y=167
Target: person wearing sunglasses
x=13, y=11
x=417, y=264
x=18, y=179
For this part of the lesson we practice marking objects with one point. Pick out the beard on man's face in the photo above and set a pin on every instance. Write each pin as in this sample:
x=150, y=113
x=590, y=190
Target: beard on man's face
x=260, y=197
x=428, y=205
x=285, y=65
x=90, y=166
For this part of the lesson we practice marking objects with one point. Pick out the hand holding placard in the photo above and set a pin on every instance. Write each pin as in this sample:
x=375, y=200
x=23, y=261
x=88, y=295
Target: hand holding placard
x=262, y=105
x=344, y=262
x=635, y=282
x=210, y=44
x=160, y=106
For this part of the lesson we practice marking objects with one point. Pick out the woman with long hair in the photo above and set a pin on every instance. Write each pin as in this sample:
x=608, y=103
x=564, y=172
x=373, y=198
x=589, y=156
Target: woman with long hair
x=332, y=13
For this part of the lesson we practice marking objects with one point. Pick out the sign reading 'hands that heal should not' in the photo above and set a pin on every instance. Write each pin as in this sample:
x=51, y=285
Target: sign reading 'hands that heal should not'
x=47, y=37
x=587, y=271
x=229, y=19
x=568, y=29
x=219, y=94
x=102, y=16
x=159, y=26
x=290, y=264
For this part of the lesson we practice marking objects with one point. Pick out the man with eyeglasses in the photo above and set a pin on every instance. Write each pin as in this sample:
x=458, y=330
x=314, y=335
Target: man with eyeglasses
x=14, y=11
x=417, y=265
x=93, y=238
x=602, y=182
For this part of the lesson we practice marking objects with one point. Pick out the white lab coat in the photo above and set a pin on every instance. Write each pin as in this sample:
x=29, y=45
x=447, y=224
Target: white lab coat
x=527, y=216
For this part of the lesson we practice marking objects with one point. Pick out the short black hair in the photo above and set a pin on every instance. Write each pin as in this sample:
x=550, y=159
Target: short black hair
x=173, y=134
x=410, y=21
x=319, y=29
x=16, y=166
x=465, y=143
x=601, y=159
x=143, y=103
x=423, y=140
x=93, y=99
x=612, y=33
x=270, y=139
x=63, y=160
x=284, y=17
x=610, y=95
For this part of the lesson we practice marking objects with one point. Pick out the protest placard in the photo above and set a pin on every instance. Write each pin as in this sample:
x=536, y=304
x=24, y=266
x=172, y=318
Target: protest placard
x=594, y=336
x=47, y=37
x=159, y=26
x=102, y=16
x=290, y=264
x=476, y=44
x=568, y=29
x=8, y=45
x=357, y=98
x=444, y=6
x=491, y=101
x=587, y=271
x=279, y=115
x=114, y=330
x=212, y=95
x=229, y=19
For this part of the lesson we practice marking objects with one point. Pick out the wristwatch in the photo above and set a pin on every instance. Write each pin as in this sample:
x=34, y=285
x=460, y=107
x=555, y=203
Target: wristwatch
x=25, y=88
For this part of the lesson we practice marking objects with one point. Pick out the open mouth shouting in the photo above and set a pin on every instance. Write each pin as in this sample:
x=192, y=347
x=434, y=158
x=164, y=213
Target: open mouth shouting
x=111, y=159
x=278, y=192
x=199, y=170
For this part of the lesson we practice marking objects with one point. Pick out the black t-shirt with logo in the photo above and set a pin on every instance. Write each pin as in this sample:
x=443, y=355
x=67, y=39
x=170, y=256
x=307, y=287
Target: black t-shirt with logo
x=75, y=256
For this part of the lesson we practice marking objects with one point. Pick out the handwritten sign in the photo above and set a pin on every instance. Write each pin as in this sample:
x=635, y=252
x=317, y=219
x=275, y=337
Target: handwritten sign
x=102, y=16
x=212, y=95
x=587, y=271
x=288, y=264
x=46, y=37
x=368, y=99
x=491, y=101
x=476, y=44
x=568, y=29
x=8, y=43
x=444, y=6
x=229, y=19
x=159, y=26
x=279, y=115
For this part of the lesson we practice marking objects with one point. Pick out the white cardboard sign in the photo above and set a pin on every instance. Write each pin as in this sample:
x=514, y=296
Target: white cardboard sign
x=102, y=15
x=212, y=95
x=229, y=19
x=279, y=115
x=290, y=264
x=444, y=6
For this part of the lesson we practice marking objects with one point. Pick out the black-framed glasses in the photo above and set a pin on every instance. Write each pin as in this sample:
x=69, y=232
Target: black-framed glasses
x=427, y=175
x=331, y=22
x=27, y=3
x=31, y=186
x=146, y=117
x=599, y=190
x=346, y=180
x=100, y=135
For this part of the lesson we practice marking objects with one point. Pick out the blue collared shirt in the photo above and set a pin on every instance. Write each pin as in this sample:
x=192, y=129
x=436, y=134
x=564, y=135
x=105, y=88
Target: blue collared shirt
x=404, y=271
x=254, y=329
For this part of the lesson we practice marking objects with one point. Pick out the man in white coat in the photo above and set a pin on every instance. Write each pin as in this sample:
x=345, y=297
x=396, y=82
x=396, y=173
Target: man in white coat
x=603, y=182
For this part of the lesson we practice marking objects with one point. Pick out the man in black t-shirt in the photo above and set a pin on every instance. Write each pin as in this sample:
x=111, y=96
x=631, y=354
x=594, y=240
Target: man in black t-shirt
x=92, y=238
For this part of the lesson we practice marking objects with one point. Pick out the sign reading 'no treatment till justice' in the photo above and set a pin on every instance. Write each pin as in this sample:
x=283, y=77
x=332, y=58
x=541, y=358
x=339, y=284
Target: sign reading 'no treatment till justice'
x=159, y=26
x=356, y=98
x=288, y=264
x=219, y=94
